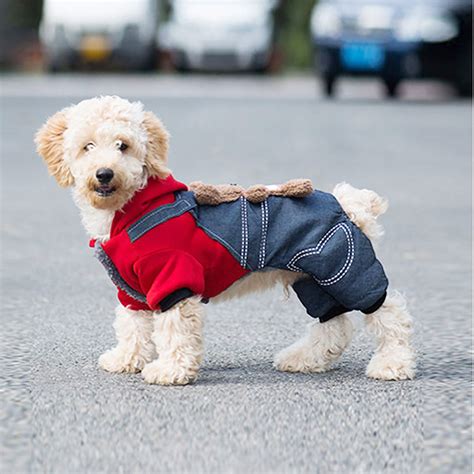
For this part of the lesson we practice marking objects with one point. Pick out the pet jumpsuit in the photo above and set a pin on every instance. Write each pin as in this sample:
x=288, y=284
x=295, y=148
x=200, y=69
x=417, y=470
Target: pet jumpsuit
x=165, y=247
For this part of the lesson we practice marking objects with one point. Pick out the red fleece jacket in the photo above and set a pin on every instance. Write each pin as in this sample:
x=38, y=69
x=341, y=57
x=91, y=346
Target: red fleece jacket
x=172, y=256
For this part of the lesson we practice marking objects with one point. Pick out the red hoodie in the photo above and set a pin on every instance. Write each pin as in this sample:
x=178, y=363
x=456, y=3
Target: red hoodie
x=169, y=261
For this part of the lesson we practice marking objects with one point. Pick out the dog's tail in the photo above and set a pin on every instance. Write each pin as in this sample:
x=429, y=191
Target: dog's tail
x=363, y=207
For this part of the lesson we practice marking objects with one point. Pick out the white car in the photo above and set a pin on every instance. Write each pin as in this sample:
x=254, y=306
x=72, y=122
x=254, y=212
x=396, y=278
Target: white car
x=92, y=31
x=220, y=35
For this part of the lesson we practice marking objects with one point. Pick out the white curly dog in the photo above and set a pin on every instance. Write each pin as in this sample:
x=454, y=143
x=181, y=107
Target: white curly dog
x=167, y=347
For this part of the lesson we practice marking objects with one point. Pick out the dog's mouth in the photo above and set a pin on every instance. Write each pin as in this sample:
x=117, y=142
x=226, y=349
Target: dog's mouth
x=105, y=190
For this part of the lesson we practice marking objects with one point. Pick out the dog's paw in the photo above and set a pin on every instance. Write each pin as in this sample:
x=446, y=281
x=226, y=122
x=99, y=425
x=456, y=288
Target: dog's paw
x=395, y=365
x=297, y=358
x=168, y=372
x=117, y=360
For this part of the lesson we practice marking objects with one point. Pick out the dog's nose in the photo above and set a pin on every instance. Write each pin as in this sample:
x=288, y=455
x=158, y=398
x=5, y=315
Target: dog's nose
x=104, y=175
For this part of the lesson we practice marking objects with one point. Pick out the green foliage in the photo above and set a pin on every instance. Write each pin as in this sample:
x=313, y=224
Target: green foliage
x=293, y=39
x=23, y=13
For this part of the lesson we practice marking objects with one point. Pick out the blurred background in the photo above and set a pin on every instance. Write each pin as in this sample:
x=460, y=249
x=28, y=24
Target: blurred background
x=392, y=40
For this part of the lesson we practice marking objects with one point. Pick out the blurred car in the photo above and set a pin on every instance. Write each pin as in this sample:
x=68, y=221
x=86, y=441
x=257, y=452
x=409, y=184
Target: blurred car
x=219, y=35
x=394, y=40
x=97, y=31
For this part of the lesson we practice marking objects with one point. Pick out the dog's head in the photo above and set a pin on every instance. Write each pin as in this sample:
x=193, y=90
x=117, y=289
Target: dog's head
x=106, y=148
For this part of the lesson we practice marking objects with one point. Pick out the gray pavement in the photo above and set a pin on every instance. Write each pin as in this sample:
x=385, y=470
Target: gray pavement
x=61, y=414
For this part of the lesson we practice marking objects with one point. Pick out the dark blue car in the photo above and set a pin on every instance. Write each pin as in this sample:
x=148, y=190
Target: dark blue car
x=394, y=40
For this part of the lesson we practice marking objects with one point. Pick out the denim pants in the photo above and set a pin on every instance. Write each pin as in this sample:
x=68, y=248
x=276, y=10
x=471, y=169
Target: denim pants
x=310, y=235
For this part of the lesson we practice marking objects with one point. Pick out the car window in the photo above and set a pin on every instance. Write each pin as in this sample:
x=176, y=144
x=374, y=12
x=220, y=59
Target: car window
x=220, y=12
x=108, y=12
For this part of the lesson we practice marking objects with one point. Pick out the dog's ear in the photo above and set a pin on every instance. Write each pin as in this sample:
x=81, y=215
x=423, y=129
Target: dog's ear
x=50, y=146
x=157, y=146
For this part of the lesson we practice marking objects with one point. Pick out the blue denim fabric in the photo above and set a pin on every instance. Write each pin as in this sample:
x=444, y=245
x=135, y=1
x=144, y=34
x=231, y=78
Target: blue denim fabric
x=311, y=235
x=159, y=215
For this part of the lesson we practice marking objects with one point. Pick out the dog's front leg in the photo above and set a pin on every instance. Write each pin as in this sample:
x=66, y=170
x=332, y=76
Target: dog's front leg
x=177, y=335
x=134, y=348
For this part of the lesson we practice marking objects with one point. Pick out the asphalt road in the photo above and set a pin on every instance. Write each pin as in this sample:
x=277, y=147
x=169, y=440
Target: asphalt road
x=61, y=414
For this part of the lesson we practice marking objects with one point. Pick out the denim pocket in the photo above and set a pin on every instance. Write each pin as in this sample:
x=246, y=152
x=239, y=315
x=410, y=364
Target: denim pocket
x=330, y=259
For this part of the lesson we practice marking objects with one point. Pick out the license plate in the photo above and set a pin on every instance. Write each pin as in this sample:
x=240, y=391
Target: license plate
x=95, y=48
x=362, y=56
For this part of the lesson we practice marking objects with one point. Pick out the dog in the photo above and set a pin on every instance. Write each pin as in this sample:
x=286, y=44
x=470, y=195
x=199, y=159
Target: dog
x=114, y=156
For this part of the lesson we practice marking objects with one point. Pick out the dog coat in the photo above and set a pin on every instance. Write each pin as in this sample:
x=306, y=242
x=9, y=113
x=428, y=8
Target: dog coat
x=165, y=247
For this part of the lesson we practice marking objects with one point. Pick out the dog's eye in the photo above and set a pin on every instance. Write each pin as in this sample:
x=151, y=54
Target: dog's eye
x=90, y=146
x=121, y=145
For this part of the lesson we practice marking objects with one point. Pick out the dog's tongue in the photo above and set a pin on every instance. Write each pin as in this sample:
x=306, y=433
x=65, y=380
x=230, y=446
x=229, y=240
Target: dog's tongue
x=144, y=200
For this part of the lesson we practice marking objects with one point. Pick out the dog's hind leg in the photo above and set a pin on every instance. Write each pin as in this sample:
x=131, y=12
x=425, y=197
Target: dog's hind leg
x=323, y=344
x=134, y=348
x=391, y=325
x=177, y=335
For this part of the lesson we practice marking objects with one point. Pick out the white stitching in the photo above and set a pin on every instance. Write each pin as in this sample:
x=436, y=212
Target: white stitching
x=242, y=245
x=265, y=233
x=347, y=264
x=320, y=244
x=262, y=224
x=246, y=232
x=318, y=249
x=263, y=242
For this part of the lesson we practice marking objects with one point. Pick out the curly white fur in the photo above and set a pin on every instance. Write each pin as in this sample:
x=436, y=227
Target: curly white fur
x=258, y=281
x=135, y=347
x=391, y=325
x=362, y=206
x=97, y=222
x=319, y=349
x=177, y=335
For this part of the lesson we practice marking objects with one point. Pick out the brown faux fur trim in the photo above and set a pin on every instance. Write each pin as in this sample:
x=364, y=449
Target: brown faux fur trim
x=295, y=188
x=210, y=194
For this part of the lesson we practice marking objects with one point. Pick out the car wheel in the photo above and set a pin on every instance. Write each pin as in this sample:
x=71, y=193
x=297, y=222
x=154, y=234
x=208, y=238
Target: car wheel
x=183, y=68
x=53, y=68
x=464, y=88
x=260, y=69
x=150, y=62
x=391, y=87
x=54, y=65
x=328, y=85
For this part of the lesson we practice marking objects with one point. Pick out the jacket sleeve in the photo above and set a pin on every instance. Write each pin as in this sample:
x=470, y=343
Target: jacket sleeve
x=169, y=276
x=129, y=302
